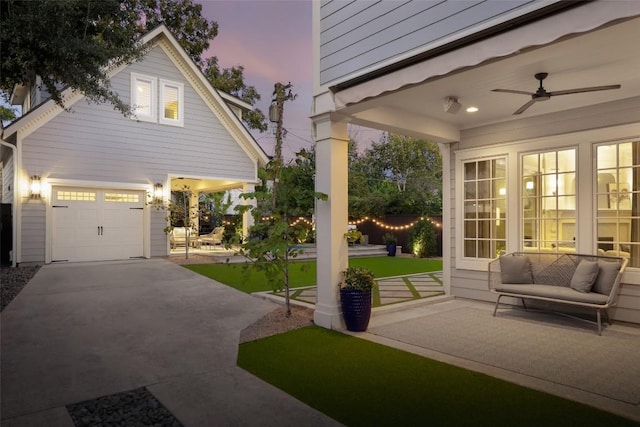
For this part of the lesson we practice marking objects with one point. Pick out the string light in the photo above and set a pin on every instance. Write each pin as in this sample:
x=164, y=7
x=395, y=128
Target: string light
x=364, y=219
x=393, y=227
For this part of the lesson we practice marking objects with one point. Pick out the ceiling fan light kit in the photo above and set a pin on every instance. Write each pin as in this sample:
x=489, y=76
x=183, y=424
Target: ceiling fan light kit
x=542, y=95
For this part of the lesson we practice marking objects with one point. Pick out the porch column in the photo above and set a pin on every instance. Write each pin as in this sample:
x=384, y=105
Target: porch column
x=194, y=213
x=247, y=217
x=332, y=141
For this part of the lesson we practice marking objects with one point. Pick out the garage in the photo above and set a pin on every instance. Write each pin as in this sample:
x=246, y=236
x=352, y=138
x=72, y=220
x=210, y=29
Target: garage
x=96, y=224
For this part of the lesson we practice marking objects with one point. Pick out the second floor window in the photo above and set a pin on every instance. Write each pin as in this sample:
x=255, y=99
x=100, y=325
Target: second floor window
x=171, y=103
x=154, y=101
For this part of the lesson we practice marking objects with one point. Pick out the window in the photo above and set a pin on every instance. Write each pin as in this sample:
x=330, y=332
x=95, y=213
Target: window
x=163, y=103
x=143, y=98
x=548, y=186
x=485, y=213
x=618, y=200
x=171, y=103
x=121, y=197
x=85, y=196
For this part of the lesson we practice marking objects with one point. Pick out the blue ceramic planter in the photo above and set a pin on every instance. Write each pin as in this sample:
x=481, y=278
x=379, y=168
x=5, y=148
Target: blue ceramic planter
x=356, y=309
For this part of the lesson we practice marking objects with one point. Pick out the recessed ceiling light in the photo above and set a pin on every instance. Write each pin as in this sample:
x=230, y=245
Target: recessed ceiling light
x=472, y=109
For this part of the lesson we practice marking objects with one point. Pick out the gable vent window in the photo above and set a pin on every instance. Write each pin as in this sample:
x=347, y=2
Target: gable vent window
x=160, y=101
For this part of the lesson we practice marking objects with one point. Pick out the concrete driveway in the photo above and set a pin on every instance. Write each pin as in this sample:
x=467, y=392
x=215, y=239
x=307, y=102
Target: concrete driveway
x=81, y=331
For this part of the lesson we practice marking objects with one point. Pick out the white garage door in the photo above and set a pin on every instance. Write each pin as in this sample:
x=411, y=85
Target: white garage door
x=95, y=225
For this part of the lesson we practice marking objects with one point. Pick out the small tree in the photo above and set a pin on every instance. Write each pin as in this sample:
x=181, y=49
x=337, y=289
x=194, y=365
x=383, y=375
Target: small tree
x=423, y=239
x=273, y=242
x=180, y=212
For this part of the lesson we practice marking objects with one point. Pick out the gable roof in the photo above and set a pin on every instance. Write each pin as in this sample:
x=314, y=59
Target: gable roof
x=217, y=101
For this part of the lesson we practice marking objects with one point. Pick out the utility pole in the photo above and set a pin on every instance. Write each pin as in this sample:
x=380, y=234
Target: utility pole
x=281, y=93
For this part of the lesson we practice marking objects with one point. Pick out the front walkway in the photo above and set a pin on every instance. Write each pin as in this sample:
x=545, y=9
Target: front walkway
x=390, y=290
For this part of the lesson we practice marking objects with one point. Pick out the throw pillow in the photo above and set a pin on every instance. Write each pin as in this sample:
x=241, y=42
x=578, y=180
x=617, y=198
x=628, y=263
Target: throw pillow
x=585, y=276
x=606, y=276
x=516, y=269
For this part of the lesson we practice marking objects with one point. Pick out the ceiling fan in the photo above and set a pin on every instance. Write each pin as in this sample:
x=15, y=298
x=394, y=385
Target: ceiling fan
x=542, y=95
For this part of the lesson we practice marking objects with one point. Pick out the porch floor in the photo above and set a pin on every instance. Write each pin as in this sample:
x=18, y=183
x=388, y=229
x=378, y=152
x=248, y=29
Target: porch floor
x=540, y=350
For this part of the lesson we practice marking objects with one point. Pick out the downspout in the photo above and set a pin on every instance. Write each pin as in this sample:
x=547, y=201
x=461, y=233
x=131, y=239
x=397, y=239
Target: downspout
x=14, y=205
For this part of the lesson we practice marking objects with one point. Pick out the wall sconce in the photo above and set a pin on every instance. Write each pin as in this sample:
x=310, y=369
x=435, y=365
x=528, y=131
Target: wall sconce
x=157, y=193
x=35, y=187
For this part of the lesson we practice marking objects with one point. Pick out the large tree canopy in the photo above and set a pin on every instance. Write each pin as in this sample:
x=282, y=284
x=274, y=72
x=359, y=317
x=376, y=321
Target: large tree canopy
x=398, y=175
x=66, y=43
x=71, y=43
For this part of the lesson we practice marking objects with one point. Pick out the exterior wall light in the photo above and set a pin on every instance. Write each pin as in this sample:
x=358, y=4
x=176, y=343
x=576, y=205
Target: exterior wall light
x=35, y=187
x=158, y=193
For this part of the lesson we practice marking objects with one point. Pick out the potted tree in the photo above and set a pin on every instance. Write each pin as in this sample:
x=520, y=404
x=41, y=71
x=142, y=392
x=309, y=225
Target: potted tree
x=390, y=242
x=355, y=296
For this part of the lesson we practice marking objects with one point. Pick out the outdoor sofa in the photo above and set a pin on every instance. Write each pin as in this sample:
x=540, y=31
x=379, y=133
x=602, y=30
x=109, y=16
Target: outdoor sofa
x=178, y=237
x=582, y=280
x=213, y=238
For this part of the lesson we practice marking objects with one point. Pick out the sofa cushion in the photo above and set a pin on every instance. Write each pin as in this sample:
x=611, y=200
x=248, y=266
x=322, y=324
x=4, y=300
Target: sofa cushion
x=585, y=276
x=516, y=269
x=606, y=277
x=553, y=292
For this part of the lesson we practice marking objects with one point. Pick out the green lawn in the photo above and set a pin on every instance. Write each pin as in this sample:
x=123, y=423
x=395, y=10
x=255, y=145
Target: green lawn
x=360, y=383
x=303, y=273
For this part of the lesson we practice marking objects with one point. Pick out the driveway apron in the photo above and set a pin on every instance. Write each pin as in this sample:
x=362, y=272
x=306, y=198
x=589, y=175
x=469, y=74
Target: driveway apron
x=81, y=331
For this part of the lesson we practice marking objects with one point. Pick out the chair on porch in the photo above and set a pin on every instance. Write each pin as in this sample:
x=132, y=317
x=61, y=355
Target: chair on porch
x=213, y=238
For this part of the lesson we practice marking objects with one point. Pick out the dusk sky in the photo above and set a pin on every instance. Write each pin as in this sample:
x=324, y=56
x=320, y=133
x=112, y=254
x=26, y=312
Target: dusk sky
x=272, y=40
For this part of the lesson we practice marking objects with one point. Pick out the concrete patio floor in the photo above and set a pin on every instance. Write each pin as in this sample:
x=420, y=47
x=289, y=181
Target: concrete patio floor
x=539, y=350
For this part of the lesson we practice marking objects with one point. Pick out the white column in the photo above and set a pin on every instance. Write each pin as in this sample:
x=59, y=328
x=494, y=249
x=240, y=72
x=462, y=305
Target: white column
x=247, y=217
x=445, y=153
x=194, y=213
x=332, y=141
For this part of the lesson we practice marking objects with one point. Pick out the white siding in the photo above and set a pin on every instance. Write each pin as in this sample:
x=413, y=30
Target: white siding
x=158, y=239
x=7, y=178
x=360, y=35
x=96, y=143
x=33, y=231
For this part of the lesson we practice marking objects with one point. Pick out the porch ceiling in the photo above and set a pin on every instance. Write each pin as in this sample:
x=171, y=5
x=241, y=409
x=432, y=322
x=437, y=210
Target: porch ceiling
x=606, y=56
x=203, y=185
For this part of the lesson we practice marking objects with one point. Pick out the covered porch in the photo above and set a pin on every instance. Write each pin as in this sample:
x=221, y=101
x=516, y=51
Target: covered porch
x=449, y=97
x=188, y=208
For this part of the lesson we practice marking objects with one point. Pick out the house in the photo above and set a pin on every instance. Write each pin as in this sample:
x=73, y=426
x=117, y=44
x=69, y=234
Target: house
x=83, y=183
x=530, y=163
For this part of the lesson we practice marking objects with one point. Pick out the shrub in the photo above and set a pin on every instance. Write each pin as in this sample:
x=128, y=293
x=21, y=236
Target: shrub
x=357, y=279
x=423, y=239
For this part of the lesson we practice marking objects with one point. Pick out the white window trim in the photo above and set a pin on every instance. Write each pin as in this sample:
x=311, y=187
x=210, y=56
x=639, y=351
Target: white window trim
x=462, y=262
x=153, y=116
x=163, y=120
x=585, y=141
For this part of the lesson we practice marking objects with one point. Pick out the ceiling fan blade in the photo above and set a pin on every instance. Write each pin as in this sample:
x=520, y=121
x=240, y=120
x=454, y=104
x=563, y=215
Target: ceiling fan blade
x=583, y=89
x=519, y=92
x=524, y=107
